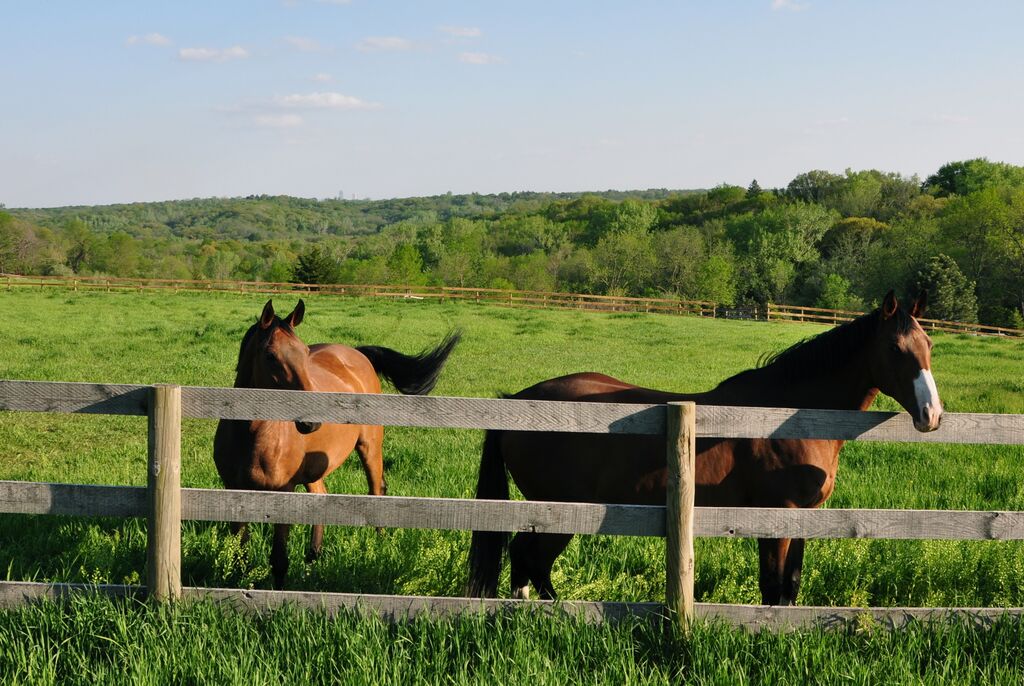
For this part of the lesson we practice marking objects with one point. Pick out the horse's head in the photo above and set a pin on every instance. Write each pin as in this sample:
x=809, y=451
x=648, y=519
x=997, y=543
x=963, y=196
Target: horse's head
x=273, y=356
x=901, y=362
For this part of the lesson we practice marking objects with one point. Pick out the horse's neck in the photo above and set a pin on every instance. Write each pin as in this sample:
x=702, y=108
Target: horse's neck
x=840, y=389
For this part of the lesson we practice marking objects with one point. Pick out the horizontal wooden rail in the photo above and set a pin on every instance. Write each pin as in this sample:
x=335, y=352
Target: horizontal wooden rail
x=15, y=594
x=513, y=415
x=517, y=515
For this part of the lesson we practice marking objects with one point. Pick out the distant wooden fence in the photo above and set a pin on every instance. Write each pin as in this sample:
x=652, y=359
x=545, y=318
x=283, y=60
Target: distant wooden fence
x=165, y=504
x=511, y=298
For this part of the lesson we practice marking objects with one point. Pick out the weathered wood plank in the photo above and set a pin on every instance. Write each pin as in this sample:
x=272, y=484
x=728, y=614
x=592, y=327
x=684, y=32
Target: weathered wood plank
x=514, y=415
x=756, y=617
x=758, y=522
x=422, y=513
x=517, y=515
x=394, y=608
x=767, y=422
x=427, y=411
x=86, y=398
x=14, y=594
x=72, y=499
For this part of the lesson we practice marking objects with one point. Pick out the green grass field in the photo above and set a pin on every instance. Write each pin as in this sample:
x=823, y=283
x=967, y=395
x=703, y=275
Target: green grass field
x=193, y=339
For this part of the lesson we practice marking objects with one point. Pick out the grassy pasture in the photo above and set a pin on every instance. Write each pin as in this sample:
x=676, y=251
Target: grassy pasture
x=193, y=339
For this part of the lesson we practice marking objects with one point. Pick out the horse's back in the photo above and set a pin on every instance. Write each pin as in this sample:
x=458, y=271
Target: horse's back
x=593, y=387
x=341, y=369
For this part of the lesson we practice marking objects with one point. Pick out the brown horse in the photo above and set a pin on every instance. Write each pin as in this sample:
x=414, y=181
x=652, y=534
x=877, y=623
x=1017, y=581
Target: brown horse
x=841, y=369
x=278, y=456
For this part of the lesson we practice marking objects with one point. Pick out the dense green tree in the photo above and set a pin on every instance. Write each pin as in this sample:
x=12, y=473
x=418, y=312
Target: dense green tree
x=405, y=266
x=970, y=176
x=950, y=293
x=817, y=186
x=316, y=265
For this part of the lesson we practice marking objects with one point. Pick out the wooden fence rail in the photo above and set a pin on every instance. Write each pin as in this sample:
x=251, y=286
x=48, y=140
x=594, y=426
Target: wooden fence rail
x=165, y=504
x=530, y=299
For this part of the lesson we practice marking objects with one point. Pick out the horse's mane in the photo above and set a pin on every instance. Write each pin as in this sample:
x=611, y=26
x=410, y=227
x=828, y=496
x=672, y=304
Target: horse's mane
x=824, y=352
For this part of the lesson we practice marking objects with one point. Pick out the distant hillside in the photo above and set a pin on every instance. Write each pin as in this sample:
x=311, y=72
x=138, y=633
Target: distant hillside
x=832, y=240
x=262, y=217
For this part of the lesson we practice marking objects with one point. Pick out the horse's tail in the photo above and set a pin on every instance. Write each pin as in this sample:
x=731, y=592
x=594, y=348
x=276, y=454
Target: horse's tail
x=411, y=374
x=486, y=548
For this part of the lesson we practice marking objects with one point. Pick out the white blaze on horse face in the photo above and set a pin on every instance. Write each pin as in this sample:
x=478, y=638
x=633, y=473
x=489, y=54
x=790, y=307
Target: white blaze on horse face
x=928, y=403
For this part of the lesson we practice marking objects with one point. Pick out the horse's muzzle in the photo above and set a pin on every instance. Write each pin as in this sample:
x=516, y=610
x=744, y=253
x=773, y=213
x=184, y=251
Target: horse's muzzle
x=307, y=427
x=929, y=420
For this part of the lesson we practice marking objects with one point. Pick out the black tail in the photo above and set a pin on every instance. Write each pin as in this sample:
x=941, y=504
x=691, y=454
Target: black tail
x=486, y=548
x=411, y=374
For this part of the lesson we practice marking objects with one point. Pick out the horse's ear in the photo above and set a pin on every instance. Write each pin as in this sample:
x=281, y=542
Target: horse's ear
x=295, y=318
x=889, y=305
x=920, y=305
x=267, y=318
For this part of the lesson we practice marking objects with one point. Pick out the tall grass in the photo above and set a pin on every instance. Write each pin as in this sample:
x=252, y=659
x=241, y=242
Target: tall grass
x=91, y=640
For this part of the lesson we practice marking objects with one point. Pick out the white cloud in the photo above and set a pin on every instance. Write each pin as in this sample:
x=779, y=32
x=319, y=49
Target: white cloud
x=325, y=100
x=376, y=43
x=461, y=31
x=236, y=52
x=149, y=39
x=790, y=5
x=278, y=121
x=323, y=77
x=303, y=44
x=479, y=58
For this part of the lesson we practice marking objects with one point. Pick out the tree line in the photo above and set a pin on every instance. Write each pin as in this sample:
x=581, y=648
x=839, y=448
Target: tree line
x=826, y=239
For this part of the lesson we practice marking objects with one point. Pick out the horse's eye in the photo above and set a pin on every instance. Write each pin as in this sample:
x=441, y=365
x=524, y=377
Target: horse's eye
x=895, y=348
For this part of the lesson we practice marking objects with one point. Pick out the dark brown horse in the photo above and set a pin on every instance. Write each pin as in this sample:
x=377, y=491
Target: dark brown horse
x=841, y=369
x=278, y=456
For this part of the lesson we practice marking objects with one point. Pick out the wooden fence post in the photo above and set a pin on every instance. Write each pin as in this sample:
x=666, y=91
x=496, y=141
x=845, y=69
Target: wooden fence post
x=681, y=447
x=163, y=552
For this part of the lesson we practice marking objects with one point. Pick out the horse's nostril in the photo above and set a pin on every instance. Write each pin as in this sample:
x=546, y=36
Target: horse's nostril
x=307, y=427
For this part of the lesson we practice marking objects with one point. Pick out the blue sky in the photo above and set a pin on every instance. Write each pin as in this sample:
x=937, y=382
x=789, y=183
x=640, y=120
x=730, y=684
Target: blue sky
x=134, y=101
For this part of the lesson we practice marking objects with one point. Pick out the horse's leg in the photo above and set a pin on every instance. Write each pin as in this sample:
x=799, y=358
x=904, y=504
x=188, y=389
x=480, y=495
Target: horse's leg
x=518, y=558
x=369, y=446
x=773, y=553
x=316, y=534
x=531, y=556
x=279, y=554
x=791, y=572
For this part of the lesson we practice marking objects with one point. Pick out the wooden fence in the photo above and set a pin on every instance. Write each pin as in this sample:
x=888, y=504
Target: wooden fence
x=530, y=299
x=165, y=504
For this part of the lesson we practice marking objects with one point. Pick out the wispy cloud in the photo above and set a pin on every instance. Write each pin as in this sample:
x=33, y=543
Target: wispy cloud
x=235, y=52
x=278, y=121
x=789, y=5
x=322, y=77
x=325, y=100
x=149, y=39
x=461, y=31
x=304, y=44
x=479, y=58
x=381, y=43
x=944, y=120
